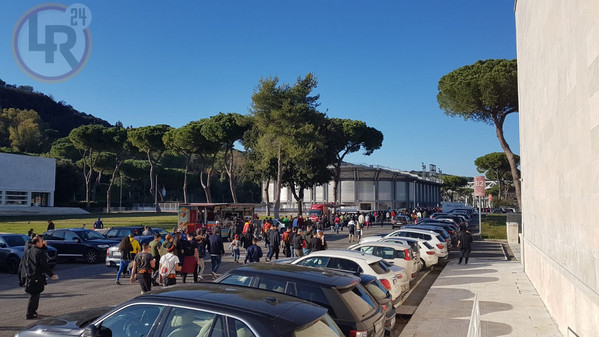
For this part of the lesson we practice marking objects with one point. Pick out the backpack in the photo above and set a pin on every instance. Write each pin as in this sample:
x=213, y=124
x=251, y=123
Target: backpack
x=286, y=237
x=167, y=267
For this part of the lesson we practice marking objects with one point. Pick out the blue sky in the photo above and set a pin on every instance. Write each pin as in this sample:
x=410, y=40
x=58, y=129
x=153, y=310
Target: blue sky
x=172, y=62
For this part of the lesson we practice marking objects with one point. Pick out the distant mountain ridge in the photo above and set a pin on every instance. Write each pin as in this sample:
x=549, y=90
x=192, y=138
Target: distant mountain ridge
x=59, y=116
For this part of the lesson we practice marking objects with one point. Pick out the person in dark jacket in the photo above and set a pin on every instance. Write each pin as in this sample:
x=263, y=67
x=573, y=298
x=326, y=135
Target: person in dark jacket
x=275, y=241
x=32, y=271
x=297, y=244
x=253, y=253
x=216, y=249
x=316, y=242
x=465, y=245
x=143, y=266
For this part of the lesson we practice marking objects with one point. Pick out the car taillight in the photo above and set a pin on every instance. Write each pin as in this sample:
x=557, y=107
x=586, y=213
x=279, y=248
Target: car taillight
x=358, y=333
x=430, y=252
x=386, y=283
x=413, y=275
x=407, y=253
x=384, y=307
x=440, y=246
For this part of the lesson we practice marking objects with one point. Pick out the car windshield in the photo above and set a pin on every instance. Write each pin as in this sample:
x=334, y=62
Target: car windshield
x=379, y=267
x=90, y=235
x=324, y=327
x=16, y=240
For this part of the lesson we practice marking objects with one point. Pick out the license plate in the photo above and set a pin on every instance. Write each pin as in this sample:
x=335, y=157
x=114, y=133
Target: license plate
x=116, y=254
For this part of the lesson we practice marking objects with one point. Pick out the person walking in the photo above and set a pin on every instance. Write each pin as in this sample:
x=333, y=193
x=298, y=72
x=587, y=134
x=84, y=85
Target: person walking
x=32, y=273
x=155, y=251
x=216, y=249
x=465, y=245
x=201, y=244
x=351, y=226
x=125, y=248
x=275, y=241
x=235, y=246
x=98, y=224
x=190, y=259
x=169, y=265
x=297, y=243
x=136, y=248
x=306, y=237
x=253, y=253
x=143, y=266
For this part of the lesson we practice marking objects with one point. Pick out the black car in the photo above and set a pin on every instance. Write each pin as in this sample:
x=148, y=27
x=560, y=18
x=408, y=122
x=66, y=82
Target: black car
x=11, y=252
x=202, y=310
x=354, y=310
x=117, y=233
x=79, y=243
x=382, y=296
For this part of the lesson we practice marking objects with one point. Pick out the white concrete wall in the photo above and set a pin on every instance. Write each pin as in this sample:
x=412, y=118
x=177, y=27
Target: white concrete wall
x=558, y=78
x=27, y=174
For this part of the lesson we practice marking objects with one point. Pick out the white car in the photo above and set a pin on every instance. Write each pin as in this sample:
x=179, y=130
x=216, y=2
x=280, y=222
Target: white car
x=428, y=256
x=396, y=253
x=431, y=237
x=357, y=262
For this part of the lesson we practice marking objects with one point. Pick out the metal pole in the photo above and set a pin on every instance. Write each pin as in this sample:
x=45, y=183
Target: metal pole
x=480, y=232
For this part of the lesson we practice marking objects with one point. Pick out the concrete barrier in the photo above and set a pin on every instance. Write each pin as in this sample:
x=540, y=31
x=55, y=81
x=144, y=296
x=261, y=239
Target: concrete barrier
x=512, y=232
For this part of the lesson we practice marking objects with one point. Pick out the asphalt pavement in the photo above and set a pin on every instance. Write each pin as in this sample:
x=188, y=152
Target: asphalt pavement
x=82, y=286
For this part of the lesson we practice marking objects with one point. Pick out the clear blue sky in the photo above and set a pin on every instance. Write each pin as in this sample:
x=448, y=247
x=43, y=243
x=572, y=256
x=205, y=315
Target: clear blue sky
x=175, y=61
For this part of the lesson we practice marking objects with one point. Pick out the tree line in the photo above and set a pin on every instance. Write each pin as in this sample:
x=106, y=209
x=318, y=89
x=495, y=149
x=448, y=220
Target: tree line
x=285, y=140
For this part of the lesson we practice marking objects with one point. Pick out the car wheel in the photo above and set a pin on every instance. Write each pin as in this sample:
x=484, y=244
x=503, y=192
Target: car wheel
x=12, y=264
x=90, y=256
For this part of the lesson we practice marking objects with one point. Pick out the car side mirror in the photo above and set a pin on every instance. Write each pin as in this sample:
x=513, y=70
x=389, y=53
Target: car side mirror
x=2, y=245
x=91, y=331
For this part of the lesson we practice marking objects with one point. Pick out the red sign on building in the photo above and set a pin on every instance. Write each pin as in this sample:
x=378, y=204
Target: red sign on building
x=479, y=186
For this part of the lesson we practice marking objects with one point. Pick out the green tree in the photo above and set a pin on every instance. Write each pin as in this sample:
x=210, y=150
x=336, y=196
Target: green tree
x=185, y=141
x=287, y=125
x=89, y=140
x=22, y=130
x=453, y=185
x=485, y=91
x=119, y=147
x=148, y=139
x=347, y=136
x=496, y=167
x=226, y=130
x=63, y=148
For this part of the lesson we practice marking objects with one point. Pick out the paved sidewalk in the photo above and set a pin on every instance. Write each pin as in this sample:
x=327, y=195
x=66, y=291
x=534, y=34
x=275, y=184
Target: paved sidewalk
x=509, y=304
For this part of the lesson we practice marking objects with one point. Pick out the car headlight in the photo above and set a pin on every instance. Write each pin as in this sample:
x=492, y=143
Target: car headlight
x=103, y=246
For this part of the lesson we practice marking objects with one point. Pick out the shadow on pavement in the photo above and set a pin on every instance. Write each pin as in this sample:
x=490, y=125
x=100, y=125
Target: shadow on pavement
x=457, y=280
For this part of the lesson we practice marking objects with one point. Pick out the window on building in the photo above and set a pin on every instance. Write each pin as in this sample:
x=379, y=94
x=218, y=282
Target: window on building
x=16, y=198
x=40, y=198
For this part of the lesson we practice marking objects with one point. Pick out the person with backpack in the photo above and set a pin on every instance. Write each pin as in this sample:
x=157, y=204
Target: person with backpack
x=169, y=266
x=143, y=266
x=126, y=249
x=286, y=242
x=32, y=273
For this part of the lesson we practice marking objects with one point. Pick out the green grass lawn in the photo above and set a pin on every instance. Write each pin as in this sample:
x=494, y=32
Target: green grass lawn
x=22, y=224
x=494, y=227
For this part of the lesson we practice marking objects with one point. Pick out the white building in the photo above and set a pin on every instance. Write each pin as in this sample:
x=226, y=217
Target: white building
x=558, y=86
x=370, y=188
x=26, y=180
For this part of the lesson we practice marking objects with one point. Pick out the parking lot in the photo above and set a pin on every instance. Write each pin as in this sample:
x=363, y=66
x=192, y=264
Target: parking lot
x=82, y=286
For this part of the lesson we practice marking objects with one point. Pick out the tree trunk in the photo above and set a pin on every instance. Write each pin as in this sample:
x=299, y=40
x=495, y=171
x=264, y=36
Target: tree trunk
x=96, y=184
x=278, y=186
x=336, y=179
x=185, y=179
x=206, y=185
x=267, y=197
x=152, y=191
x=510, y=157
x=229, y=169
x=498, y=182
x=114, y=172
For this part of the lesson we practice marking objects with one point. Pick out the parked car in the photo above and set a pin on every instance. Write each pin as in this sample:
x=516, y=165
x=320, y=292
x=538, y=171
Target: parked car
x=399, y=220
x=202, y=310
x=79, y=243
x=437, y=241
x=383, y=297
x=398, y=254
x=11, y=252
x=354, y=309
x=113, y=256
x=427, y=253
x=357, y=262
x=435, y=228
x=117, y=233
